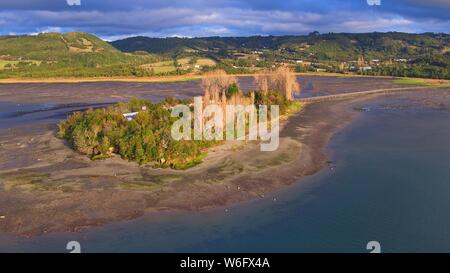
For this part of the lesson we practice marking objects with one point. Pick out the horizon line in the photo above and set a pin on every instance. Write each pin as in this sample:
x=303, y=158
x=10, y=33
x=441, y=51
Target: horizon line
x=219, y=36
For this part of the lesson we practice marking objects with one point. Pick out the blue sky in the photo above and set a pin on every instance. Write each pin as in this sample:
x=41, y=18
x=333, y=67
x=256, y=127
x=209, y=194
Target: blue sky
x=114, y=19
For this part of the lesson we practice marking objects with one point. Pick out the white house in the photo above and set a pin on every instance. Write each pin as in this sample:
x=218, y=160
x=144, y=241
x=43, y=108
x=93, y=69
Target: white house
x=132, y=115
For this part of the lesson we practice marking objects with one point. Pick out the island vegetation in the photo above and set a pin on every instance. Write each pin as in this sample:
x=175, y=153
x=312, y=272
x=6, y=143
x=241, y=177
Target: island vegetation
x=146, y=139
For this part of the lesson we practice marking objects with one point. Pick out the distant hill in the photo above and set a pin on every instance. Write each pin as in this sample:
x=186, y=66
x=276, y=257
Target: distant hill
x=338, y=47
x=159, y=45
x=80, y=54
x=393, y=53
x=52, y=46
x=69, y=54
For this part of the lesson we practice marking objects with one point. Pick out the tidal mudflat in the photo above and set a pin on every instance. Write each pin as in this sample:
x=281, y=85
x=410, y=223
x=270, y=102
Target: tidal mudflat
x=46, y=187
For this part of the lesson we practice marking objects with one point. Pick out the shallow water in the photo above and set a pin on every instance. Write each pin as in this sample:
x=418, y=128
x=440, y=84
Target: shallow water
x=16, y=114
x=389, y=182
x=22, y=104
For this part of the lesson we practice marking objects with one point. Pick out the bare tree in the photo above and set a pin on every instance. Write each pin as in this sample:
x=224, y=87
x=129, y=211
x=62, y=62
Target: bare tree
x=262, y=80
x=215, y=83
x=284, y=81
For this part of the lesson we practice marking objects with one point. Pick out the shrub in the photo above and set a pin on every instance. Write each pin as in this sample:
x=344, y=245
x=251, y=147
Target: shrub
x=146, y=139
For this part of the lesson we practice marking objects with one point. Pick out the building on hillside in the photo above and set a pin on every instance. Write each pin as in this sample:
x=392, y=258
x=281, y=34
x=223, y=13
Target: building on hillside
x=365, y=68
x=132, y=115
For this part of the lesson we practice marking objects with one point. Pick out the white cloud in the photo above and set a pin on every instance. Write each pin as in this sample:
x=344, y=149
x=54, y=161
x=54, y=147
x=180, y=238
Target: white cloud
x=209, y=21
x=73, y=2
x=374, y=24
x=47, y=30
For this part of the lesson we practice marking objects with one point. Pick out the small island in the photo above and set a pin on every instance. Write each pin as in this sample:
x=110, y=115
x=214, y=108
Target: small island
x=140, y=130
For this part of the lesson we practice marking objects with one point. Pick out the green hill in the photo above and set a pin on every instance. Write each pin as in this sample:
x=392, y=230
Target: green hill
x=51, y=46
x=397, y=54
x=332, y=46
x=84, y=55
x=159, y=45
x=71, y=54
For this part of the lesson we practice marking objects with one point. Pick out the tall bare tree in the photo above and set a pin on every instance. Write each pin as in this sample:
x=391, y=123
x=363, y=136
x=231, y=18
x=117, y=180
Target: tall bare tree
x=215, y=83
x=262, y=80
x=284, y=81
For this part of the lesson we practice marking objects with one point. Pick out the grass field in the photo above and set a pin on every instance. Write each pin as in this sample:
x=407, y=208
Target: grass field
x=422, y=82
x=3, y=63
x=410, y=81
x=183, y=61
x=160, y=67
x=177, y=78
x=168, y=66
x=205, y=62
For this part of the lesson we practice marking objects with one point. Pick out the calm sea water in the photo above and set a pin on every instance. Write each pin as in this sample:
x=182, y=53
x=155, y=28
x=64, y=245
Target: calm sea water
x=390, y=183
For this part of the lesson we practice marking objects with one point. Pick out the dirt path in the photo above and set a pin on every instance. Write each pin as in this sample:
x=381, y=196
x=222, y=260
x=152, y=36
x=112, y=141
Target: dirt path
x=369, y=92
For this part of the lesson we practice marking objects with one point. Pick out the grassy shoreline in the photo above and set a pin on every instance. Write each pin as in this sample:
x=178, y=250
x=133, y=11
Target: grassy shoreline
x=102, y=79
x=181, y=78
x=421, y=82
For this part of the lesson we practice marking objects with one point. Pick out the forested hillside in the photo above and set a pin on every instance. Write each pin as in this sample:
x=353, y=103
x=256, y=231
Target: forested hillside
x=397, y=54
x=84, y=55
x=71, y=54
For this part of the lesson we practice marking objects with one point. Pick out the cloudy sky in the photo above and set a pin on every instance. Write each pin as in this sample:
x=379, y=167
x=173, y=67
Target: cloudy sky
x=113, y=19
